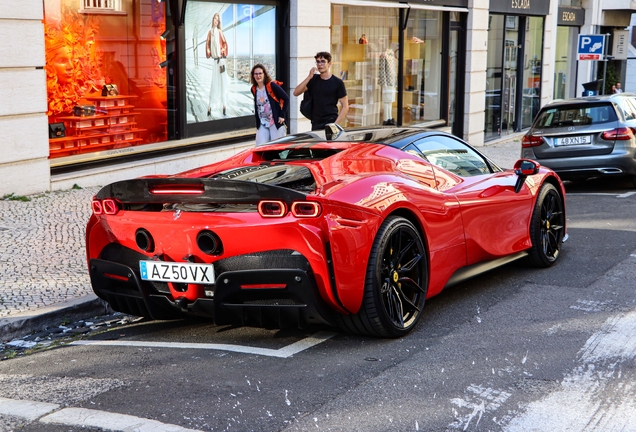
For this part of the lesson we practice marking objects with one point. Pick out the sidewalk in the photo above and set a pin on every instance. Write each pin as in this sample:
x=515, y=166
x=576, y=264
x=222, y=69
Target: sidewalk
x=43, y=275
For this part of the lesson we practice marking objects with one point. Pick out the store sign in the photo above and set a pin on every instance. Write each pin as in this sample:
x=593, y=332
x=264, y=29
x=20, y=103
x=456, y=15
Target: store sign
x=619, y=48
x=520, y=7
x=570, y=16
x=591, y=47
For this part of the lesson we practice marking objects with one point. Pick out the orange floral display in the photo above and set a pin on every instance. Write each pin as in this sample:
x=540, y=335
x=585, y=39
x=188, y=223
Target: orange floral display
x=73, y=62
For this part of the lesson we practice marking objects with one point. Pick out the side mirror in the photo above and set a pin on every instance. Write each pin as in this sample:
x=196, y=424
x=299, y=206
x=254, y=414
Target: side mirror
x=523, y=168
x=333, y=131
x=526, y=167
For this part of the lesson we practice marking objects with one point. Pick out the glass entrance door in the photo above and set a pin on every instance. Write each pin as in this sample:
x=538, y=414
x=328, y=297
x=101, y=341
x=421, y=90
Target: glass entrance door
x=509, y=90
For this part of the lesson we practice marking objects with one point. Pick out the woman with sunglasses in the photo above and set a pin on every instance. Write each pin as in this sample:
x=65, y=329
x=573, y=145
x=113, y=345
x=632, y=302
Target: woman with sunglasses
x=270, y=106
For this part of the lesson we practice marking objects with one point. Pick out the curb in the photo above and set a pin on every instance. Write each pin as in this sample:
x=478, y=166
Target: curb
x=25, y=323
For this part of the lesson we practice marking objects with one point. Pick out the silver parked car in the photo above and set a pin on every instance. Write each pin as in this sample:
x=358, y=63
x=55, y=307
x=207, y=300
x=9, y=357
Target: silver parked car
x=585, y=137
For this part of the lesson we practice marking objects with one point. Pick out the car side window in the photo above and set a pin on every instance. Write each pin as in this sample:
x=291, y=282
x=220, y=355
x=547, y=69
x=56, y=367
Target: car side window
x=452, y=155
x=629, y=108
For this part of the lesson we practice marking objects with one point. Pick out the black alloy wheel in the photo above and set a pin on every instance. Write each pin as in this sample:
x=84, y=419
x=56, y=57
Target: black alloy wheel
x=396, y=283
x=547, y=227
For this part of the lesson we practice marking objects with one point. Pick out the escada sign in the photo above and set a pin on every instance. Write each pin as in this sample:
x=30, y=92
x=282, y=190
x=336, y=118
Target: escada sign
x=520, y=4
x=570, y=16
x=520, y=7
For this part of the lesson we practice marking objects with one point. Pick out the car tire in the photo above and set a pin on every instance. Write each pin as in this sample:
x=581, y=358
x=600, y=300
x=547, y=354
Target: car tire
x=634, y=181
x=396, y=283
x=547, y=227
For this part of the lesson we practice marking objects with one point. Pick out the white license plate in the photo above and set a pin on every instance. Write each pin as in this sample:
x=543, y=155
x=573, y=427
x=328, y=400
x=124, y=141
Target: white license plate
x=574, y=140
x=163, y=271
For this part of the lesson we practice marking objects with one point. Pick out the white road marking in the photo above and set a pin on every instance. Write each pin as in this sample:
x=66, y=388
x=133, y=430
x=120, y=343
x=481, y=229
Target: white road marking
x=626, y=194
x=598, y=395
x=284, y=352
x=109, y=421
x=28, y=410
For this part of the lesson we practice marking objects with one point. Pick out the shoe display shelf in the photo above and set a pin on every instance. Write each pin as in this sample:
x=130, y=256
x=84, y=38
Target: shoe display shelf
x=113, y=126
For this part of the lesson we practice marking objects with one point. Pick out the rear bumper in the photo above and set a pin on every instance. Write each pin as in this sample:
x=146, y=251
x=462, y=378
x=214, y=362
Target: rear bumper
x=274, y=296
x=592, y=166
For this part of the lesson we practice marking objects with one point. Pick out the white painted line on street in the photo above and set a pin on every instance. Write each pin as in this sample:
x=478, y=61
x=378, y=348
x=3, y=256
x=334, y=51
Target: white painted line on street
x=284, y=352
x=24, y=409
x=109, y=421
x=598, y=394
x=627, y=195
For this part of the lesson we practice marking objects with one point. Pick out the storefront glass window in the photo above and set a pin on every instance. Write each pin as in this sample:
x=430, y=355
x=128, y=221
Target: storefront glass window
x=106, y=74
x=533, y=49
x=575, y=3
x=494, y=73
x=423, y=67
x=365, y=50
x=565, y=62
x=223, y=42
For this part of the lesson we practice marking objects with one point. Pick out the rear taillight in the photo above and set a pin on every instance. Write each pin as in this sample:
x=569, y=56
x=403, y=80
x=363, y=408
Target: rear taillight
x=619, y=134
x=108, y=206
x=298, y=209
x=306, y=209
x=97, y=207
x=531, y=141
x=272, y=209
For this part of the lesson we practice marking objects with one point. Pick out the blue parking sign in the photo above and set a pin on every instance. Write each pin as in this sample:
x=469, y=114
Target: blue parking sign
x=591, y=47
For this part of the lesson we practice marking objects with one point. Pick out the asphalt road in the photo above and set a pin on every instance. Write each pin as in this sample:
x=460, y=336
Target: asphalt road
x=515, y=349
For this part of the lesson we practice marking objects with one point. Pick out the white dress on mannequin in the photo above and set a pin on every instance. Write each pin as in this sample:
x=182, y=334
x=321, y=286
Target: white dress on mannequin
x=387, y=79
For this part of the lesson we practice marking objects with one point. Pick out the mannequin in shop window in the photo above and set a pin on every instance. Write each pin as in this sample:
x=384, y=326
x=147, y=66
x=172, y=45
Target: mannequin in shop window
x=387, y=80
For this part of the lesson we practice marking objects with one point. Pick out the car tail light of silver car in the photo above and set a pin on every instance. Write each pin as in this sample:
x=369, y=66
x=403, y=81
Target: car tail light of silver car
x=107, y=206
x=619, y=134
x=531, y=141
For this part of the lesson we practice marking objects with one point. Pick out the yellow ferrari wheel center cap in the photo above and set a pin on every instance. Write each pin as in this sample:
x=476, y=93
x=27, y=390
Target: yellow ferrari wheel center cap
x=395, y=277
x=547, y=225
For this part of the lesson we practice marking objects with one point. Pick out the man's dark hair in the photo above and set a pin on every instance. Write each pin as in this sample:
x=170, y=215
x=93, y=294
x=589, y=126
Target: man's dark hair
x=325, y=55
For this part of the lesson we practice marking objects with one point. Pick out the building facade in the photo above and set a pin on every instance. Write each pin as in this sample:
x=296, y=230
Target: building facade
x=96, y=91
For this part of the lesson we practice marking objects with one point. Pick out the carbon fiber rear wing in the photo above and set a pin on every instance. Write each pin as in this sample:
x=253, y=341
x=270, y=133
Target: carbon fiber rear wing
x=195, y=191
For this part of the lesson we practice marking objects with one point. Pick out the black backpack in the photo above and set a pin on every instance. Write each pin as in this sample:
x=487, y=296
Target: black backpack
x=306, y=105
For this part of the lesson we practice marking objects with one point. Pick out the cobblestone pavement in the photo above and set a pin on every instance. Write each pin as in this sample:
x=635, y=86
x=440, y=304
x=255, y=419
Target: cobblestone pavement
x=42, y=254
x=42, y=245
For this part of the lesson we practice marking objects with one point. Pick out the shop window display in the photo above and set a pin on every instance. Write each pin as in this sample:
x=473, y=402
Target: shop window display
x=121, y=48
x=223, y=42
x=369, y=68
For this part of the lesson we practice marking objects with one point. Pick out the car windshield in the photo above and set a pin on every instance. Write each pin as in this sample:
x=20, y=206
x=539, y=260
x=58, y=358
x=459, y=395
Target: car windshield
x=575, y=115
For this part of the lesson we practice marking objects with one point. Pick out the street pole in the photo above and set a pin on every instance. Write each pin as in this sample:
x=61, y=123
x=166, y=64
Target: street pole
x=605, y=57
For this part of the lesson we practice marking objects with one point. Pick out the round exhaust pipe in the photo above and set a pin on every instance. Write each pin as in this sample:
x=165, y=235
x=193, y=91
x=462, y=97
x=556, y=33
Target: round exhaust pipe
x=209, y=243
x=144, y=240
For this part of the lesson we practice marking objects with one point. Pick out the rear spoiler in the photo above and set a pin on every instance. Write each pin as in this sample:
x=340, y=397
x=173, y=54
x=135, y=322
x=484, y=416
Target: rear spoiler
x=195, y=191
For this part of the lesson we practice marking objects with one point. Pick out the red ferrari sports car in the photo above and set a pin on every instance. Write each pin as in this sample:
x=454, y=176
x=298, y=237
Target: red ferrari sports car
x=354, y=229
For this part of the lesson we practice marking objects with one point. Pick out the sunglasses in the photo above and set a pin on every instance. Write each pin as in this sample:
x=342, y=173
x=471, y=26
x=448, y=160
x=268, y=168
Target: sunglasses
x=321, y=62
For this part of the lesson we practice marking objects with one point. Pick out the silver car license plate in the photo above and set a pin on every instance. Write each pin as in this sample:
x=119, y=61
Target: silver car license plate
x=163, y=271
x=573, y=140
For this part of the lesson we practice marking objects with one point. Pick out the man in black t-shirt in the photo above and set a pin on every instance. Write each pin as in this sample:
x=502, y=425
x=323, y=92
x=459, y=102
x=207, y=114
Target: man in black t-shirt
x=326, y=91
